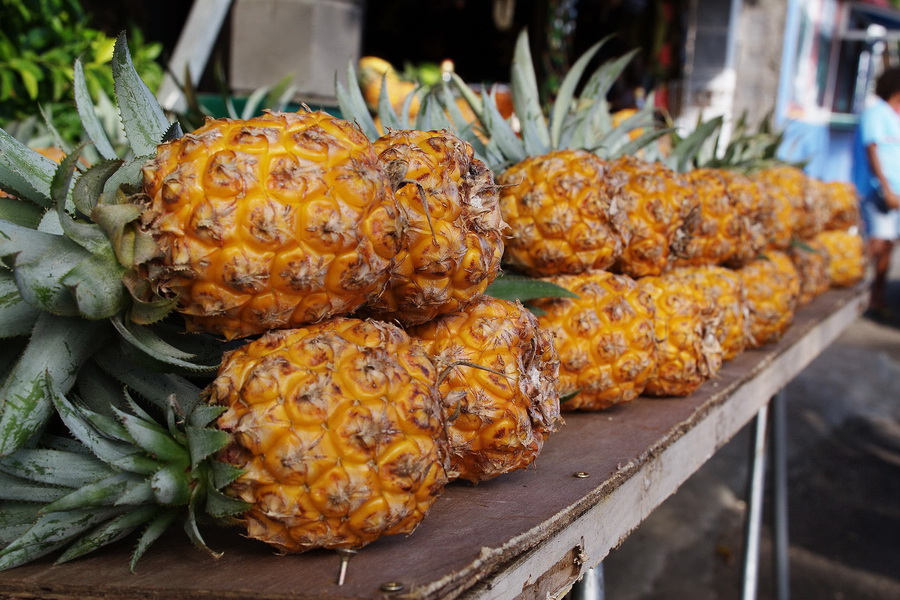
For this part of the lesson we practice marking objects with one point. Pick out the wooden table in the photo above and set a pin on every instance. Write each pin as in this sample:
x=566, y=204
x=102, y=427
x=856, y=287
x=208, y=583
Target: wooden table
x=527, y=534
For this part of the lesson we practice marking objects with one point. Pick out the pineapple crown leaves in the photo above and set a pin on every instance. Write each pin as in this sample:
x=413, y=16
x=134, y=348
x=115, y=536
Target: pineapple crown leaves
x=573, y=121
x=119, y=475
x=143, y=118
x=687, y=151
x=71, y=249
x=749, y=150
x=436, y=110
x=57, y=348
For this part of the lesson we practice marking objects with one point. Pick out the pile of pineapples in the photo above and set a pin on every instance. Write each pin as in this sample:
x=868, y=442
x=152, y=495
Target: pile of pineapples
x=297, y=324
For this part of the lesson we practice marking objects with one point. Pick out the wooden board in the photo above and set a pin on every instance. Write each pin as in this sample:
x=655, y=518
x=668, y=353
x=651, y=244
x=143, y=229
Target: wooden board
x=528, y=534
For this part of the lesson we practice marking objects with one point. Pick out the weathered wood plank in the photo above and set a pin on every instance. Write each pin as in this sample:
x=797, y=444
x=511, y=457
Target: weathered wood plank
x=517, y=536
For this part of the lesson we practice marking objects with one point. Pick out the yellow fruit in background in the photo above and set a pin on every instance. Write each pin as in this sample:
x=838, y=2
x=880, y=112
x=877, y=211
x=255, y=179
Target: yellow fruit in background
x=339, y=432
x=605, y=338
x=375, y=72
x=499, y=416
x=452, y=245
x=271, y=222
x=846, y=257
x=842, y=201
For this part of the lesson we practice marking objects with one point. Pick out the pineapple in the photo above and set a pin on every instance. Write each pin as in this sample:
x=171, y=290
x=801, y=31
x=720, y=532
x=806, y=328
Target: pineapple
x=780, y=229
x=269, y=223
x=605, y=338
x=328, y=436
x=499, y=384
x=721, y=227
x=757, y=213
x=659, y=205
x=724, y=294
x=809, y=212
x=772, y=285
x=338, y=430
x=843, y=205
x=451, y=249
x=376, y=73
x=846, y=257
x=564, y=217
x=686, y=331
x=242, y=226
x=811, y=261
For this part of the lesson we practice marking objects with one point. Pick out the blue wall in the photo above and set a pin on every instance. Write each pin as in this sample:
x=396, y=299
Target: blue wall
x=826, y=148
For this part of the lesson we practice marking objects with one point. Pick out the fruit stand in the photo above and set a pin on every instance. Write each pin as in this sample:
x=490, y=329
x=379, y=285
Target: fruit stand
x=529, y=534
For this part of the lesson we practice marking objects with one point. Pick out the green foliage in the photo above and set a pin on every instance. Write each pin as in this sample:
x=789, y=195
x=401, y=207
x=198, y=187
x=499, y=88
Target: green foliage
x=39, y=42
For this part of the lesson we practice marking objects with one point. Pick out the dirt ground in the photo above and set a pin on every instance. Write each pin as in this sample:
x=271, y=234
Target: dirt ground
x=843, y=421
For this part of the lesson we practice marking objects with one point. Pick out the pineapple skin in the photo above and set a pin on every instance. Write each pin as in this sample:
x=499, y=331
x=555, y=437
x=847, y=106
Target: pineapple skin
x=843, y=206
x=605, y=338
x=564, y=218
x=780, y=228
x=726, y=300
x=270, y=223
x=772, y=284
x=810, y=213
x=497, y=423
x=685, y=324
x=339, y=430
x=719, y=226
x=658, y=202
x=847, y=259
x=451, y=248
x=811, y=261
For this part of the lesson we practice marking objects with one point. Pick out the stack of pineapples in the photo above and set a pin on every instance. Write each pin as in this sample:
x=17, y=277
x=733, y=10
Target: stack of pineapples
x=296, y=323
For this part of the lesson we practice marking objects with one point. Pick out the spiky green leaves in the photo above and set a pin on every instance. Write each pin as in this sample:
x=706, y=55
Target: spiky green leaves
x=124, y=474
x=58, y=347
x=580, y=122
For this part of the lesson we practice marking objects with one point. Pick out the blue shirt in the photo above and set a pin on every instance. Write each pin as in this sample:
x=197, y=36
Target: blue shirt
x=879, y=124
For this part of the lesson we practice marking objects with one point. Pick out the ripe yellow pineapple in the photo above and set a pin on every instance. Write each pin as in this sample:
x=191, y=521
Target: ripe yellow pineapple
x=686, y=332
x=328, y=436
x=605, y=338
x=564, y=218
x=809, y=212
x=453, y=242
x=269, y=223
x=658, y=203
x=724, y=292
x=846, y=257
x=756, y=211
x=772, y=286
x=720, y=227
x=498, y=380
x=811, y=261
x=338, y=429
x=843, y=205
x=780, y=229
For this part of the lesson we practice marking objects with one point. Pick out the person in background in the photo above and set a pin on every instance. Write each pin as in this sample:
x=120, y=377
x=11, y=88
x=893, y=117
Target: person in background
x=876, y=174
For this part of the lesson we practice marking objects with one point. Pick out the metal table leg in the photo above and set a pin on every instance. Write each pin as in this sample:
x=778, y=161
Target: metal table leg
x=589, y=587
x=754, y=507
x=780, y=496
